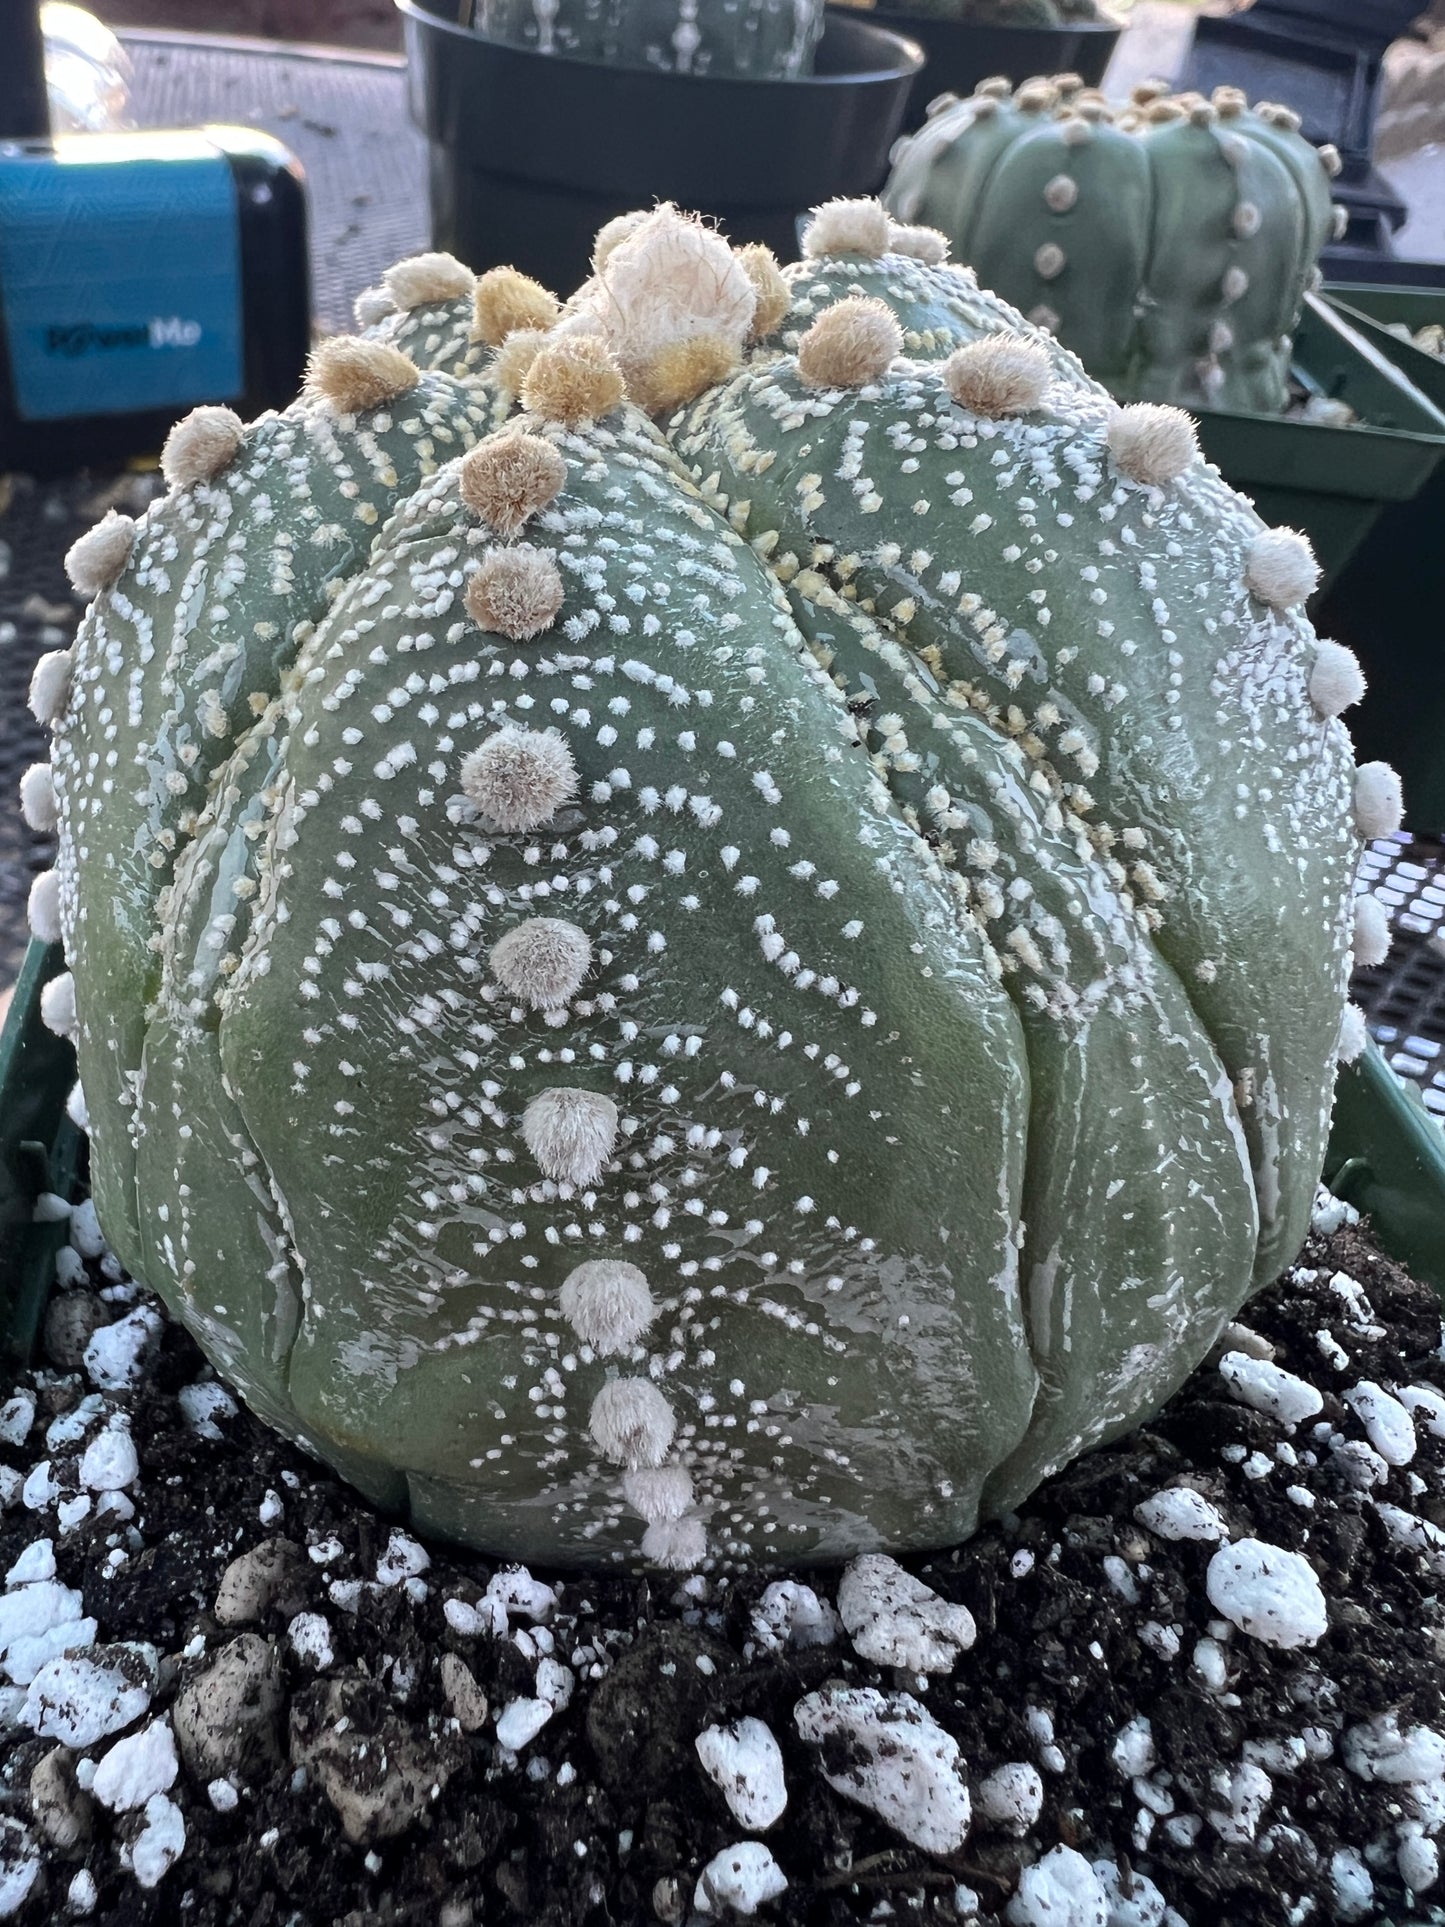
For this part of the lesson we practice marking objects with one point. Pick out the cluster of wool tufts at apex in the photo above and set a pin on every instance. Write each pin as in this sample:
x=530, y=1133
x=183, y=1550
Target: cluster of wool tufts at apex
x=1170, y=243
x=722, y=985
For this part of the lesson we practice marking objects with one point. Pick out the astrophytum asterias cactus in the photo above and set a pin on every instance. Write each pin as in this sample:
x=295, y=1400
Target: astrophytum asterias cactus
x=731, y=987
x=1170, y=245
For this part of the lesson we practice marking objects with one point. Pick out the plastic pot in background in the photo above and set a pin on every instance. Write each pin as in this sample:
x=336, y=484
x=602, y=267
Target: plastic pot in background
x=1332, y=482
x=961, y=54
x=39, y=1152
x=1386, y=604
x=530, y=153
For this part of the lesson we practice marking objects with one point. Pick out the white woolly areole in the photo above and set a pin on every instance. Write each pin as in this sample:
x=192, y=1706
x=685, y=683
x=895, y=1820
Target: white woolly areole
x=96, y=558
x=1372, y=931
x=371, y=306
x=679, y=1545
x=672, y=278
x=850, y=344
x=37, y=797
x=613, y=233
x=43, y=908
x=1152, y=444
x=57, y=1005
x=848, y=227
x=428, y=277
x=351, y=374
x=658, y=1493
x=1281, y=568
x=201, y=445
x=542, y=961
x=928, y=244
x=1354, y=1035
x=517, y=592
x=570, y=1134
x=1379, y=801
x=607, y=1303
x=50, y=685
x=1337, y=681
x=632, y=1423
x=520, y=778
x=999, y=375
x=76, y=1108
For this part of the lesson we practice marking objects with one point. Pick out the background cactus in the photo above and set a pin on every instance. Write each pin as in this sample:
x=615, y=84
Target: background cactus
x=772, y=39
x=734, y=991
x=1171, y=245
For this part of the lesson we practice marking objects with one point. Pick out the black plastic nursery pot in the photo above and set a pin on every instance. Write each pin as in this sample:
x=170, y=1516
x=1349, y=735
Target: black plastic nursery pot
x=960, y=54
x=531, y=153
x=1332, y=482
x=1386, y=1157
x=1386, y=604
x=39, y=1152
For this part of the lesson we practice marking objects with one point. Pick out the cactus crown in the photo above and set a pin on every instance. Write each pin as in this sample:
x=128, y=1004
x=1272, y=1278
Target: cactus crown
x=1170, y=243
x=735, y=986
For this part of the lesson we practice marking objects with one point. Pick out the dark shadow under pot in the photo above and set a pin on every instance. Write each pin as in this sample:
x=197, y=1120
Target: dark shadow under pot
x=530, y=153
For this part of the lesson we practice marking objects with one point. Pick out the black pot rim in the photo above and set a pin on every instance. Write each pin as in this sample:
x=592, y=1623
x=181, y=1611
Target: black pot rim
x=898, y=56
x=1021, y=34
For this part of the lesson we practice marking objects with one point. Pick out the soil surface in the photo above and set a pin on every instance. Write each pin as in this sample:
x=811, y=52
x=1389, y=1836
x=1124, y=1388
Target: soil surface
x=372, y=1733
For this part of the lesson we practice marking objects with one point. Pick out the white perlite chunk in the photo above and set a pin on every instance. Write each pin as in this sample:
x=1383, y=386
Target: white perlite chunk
x=310, y=1637
x=117, y=1356
x=1379, y=1750
x=902, y=1766
x=1387, y=1423
x=160, y=1843
x=1270, y=1389
x=791, y=1614
x=744, y=1761
x=110, y=1463
x=137, y=1768
x=203, y=1406
x=19, y=1865
x=739, y=1880
x=83, y=1698
x=1062, y=1890
x=1181, y=1513
x=1012, y=1797
x=520, y=1721
x=405, y=1558
x=895, y=1620
x=1271, y=1594
x=38, y=1622
x=1136, y=1902
x=1353, y=1884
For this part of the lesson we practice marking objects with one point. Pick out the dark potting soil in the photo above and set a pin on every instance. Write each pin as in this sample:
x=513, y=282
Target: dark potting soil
x=355, y=1778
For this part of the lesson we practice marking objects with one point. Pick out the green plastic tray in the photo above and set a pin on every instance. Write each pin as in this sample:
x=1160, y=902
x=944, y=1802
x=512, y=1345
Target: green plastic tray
x=1386, y=1157
x=1333, y=483
x=40, y=1151
x=1385, y=605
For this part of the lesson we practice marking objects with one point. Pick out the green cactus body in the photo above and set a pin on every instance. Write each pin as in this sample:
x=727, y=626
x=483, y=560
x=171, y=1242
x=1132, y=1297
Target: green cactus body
x=765, y=39
x=1215, y=672
x=1171, y=249
x=739, y=994
x=165, y=682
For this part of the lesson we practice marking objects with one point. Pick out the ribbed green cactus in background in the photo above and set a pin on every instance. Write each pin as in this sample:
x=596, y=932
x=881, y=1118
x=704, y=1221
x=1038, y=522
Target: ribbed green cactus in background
x=764, y=39
x=1170, y=246
x=727, y=987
